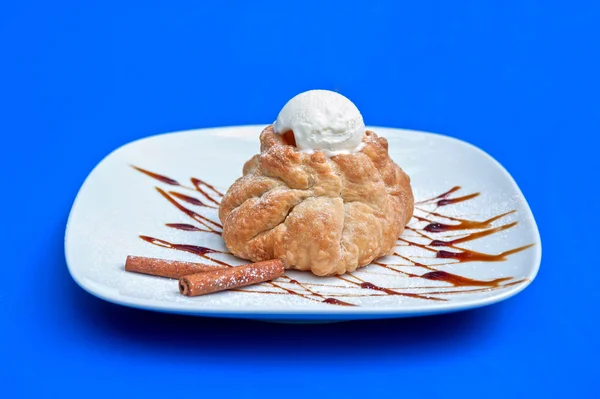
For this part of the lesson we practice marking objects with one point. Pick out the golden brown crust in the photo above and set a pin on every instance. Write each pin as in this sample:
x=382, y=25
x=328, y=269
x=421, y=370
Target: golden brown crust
x=326, y=215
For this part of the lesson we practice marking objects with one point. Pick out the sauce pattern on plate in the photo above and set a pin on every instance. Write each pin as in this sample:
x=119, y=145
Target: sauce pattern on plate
x=450, y=232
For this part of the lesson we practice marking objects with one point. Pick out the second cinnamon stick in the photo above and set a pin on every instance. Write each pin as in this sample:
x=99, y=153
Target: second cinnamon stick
x=233, y=277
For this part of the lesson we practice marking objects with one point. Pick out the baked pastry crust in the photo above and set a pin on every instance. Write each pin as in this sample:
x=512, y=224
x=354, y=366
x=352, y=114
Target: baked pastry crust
x=326, y=215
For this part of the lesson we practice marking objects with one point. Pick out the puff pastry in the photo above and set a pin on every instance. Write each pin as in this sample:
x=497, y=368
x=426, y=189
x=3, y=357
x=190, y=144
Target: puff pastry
x=325, y=215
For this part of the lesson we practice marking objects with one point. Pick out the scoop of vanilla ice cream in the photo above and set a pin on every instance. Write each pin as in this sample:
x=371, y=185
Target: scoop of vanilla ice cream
x=322, y=120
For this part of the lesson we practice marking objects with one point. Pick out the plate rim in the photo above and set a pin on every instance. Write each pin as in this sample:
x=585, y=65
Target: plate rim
x=338, y=312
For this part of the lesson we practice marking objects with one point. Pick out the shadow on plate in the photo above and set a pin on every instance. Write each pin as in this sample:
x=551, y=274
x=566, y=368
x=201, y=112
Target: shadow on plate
x=200, y=336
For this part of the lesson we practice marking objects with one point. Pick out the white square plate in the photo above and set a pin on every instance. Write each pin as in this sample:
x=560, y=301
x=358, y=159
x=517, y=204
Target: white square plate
x=118, y=204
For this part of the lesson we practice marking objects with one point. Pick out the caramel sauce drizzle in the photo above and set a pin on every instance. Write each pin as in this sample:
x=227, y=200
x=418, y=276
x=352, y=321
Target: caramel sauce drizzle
x=463, y=224
x=190, y=199
x=285, y=285
x=197, y=185
x=186, y=227
x=203, y=220
x=161, y=178
x=194, y=249
x=441, y=196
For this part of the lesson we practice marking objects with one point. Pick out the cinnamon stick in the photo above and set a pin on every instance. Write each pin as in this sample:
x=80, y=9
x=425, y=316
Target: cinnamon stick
x=165, y=267
x=234, y=277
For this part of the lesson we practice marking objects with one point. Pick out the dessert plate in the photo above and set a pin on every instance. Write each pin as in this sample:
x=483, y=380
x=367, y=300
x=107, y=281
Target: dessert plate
x=472, y=242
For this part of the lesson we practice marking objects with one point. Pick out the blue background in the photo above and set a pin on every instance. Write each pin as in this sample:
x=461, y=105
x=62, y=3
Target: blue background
x=517, y=78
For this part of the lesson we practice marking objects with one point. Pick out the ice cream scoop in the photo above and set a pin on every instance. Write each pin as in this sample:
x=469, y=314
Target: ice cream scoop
x=322, y=120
